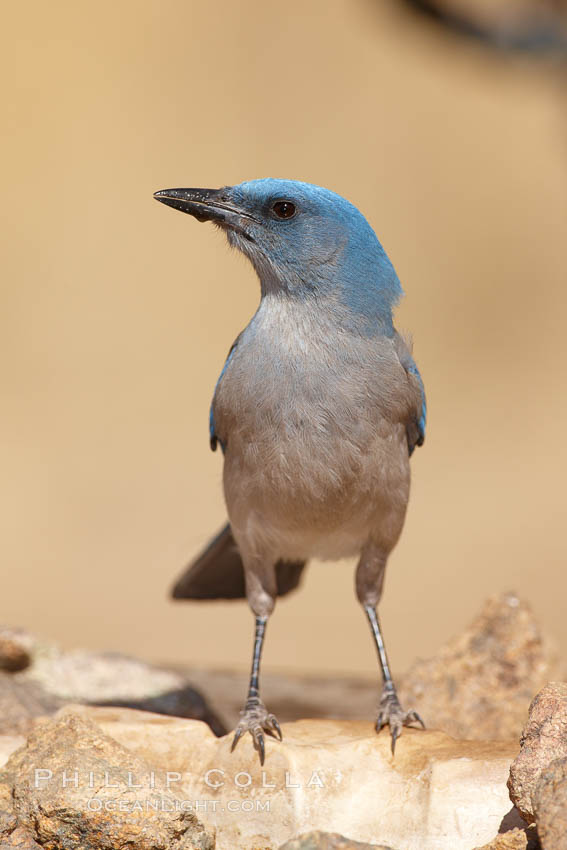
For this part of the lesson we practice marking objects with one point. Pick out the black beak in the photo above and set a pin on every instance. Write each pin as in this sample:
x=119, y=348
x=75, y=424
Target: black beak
x=203, y=204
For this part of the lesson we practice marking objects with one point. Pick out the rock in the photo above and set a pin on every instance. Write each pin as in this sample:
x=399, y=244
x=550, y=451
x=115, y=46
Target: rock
x=20, y=839
x=78, y=789
x=8, y=744
x=479, y=684
x=14, y=654
x=436, y=794
x=550, y=804
x=53, y=678
x=544, y=740
x=21, y=702
x=27, y=643
x=8, y=820
x=515, y=839
x=327, y=841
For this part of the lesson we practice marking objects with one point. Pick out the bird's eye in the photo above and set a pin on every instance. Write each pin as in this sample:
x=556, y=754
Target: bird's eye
x=283, y=209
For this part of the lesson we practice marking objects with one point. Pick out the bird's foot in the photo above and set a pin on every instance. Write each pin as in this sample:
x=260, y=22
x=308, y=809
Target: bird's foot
x=391, y=713
x=256, y=719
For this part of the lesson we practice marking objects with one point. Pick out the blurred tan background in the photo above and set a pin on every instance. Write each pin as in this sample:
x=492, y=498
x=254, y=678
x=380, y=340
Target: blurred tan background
x=117, y=313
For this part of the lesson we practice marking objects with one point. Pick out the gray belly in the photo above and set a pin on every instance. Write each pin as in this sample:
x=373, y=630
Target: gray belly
x=307, y=493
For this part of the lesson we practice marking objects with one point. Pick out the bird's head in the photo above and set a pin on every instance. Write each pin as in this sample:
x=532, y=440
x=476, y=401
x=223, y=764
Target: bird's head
x=303, y=241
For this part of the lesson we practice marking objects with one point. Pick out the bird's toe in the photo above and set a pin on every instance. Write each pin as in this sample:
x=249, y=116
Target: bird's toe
x=413, y=717
x=257, y=720
x=259, y=745
x=273, y=721
x=238, y=733
x=391, y=713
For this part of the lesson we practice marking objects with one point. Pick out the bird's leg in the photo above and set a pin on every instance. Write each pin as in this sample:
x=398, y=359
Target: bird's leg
x=369, y=582
x=390, y=710
x=261, y=592
x=255, y=718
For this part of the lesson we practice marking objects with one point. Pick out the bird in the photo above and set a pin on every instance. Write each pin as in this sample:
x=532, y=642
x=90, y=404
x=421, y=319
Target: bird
x=317, y=410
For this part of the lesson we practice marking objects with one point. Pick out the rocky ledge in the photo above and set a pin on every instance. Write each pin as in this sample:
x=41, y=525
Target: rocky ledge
x=116, y=776
x=78, y=777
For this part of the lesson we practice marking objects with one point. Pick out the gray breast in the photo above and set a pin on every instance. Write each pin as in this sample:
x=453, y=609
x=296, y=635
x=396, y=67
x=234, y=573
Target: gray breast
x=306, y=416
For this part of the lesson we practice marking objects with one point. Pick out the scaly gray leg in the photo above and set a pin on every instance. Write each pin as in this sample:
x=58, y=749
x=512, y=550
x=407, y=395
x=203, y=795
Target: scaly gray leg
x=389, y=709
x=254, y=717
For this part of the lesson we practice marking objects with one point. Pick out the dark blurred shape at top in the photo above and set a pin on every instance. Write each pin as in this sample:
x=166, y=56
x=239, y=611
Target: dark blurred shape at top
x=525, y=25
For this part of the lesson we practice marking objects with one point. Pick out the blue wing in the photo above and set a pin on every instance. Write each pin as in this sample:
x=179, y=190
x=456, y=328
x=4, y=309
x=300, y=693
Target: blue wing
x=415, y=426
x=213, y=436
x=422, y=416
x=416, y=434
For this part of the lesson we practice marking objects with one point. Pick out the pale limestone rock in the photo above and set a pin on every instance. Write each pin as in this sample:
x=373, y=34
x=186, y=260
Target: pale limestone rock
x=327, y=841
x=436, y=794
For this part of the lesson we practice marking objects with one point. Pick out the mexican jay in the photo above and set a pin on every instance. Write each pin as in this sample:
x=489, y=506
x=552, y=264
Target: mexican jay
x=317, y=411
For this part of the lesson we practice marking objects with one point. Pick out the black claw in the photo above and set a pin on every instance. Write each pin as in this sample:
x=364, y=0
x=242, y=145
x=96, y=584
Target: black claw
x=395, y=735
x=414, y=717
x=237, y=736
x=276, y=726
x=259, y=745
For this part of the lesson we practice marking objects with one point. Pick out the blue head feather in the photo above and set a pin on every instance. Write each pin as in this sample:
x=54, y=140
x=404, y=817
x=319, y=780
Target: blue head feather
x=326, y=249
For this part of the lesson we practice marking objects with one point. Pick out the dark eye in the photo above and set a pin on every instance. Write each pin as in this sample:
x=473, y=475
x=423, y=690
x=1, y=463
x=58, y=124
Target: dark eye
x=284, y=209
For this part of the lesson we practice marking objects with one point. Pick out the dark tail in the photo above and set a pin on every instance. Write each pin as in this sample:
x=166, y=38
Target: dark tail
x=217, y=573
